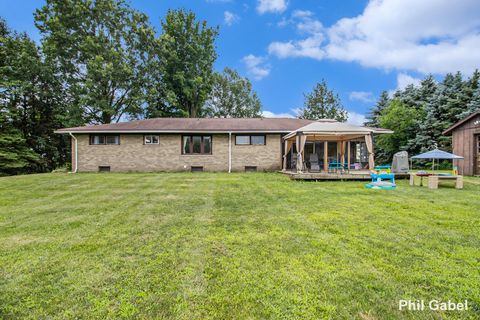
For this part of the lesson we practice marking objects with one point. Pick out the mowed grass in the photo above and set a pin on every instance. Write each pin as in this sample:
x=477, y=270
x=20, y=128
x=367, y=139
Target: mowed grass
x=233, y=246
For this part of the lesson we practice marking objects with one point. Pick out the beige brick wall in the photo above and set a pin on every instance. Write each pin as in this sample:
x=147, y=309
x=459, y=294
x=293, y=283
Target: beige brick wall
x=133, y=155
x=266, y=158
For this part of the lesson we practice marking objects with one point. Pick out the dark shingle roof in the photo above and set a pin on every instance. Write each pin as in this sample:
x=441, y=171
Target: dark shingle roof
x=196, y=125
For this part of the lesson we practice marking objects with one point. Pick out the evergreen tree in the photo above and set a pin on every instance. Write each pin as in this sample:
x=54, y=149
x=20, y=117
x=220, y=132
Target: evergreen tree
x=323, y=103
x=376, y=111
x=31, y=103
x=444, y=109
x=472, y=93
x=232, y=97
x=426, y=92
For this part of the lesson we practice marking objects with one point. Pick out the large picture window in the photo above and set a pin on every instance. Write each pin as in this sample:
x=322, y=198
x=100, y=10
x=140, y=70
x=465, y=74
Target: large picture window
x=250, y=140
x=197, y=145
x=104, y=139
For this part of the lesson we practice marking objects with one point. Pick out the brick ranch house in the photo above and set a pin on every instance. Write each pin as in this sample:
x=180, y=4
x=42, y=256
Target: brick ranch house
x=190, y=144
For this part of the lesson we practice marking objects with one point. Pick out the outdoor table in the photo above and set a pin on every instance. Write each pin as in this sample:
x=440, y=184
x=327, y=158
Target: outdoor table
x=421, y=175
x=337, y=165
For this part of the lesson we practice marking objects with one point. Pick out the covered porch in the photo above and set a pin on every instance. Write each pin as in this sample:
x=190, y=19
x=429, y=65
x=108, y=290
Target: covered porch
x=330, y=149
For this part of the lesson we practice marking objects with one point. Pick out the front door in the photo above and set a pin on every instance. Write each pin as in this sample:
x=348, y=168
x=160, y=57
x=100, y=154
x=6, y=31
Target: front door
x=477, y=155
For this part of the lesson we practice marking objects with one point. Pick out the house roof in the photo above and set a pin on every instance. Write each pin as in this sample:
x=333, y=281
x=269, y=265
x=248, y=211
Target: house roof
x=210, y=125
x=459, y=123
x=333, y=127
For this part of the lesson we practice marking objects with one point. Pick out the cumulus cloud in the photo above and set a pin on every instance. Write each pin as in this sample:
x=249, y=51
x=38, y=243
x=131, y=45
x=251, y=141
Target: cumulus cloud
x=362, y=96
x=309, y=47
x=356, y=118
x=429, y=36
x=230, y=18
x=256, y=66
x=275, y=6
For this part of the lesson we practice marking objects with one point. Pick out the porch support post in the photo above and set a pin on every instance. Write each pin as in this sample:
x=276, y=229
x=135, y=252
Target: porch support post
x=284, y=166
x=369, y=143
x=342, y=152
x=348, y=155
x=325, y=156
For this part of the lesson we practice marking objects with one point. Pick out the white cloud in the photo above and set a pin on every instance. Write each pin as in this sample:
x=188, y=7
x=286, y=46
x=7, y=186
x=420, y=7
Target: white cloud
x=302, y=13
x=356, y=118
x=362, y=96
x=270, y=114
x=256, y=66
x=403, y=80
x=230, y=18
x=428, y=36
x=264, y=6
x=310, y=47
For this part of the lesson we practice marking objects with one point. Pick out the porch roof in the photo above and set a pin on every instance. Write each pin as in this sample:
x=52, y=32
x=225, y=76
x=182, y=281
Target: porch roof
x=332, y=129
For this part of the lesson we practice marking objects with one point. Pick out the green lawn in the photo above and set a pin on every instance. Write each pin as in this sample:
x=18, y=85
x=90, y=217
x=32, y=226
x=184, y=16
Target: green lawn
x=233, y=246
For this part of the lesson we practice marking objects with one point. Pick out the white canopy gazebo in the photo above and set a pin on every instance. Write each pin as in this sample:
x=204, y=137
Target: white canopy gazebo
x=330, y=130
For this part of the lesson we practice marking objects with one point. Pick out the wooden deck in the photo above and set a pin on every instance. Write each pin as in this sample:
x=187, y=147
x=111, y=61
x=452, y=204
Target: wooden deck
x=352, y=175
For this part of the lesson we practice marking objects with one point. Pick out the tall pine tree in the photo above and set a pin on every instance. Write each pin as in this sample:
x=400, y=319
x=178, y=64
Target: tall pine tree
x=376, y=111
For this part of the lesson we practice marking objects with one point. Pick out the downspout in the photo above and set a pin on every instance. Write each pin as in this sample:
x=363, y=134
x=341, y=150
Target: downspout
x=229, y=152
x=75, y=152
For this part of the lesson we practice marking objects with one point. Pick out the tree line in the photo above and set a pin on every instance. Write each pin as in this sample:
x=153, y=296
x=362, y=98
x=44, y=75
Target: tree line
x=419, y=114
x=100, y=62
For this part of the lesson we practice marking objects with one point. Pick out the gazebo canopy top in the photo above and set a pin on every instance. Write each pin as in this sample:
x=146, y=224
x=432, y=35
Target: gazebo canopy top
x=437, y=154
x=329, y=127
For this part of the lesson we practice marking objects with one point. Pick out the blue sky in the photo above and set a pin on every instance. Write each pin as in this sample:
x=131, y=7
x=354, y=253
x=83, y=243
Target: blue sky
x=360, y=47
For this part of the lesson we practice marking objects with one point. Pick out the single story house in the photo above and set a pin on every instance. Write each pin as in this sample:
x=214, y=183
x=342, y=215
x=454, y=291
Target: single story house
x=466, y=143
x=218, y=144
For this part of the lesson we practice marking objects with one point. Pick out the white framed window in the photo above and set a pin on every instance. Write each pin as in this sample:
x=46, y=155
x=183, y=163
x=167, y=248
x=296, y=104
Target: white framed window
x=104, y=139
x=258, y=140
x=242, y=139
x=250, y=140
x=151, y=139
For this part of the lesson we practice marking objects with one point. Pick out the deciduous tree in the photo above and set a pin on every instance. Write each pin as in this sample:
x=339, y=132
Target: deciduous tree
x=232, y=97
x=185, y=54
x=102, y=49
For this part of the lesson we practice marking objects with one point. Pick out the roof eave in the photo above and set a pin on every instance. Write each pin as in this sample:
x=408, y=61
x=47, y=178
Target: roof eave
x=459, y=123
x=171, y=131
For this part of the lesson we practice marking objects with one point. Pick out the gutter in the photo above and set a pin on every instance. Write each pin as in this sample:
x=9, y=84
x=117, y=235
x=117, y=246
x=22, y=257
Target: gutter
x=229, y=152
x=75, y=150
x=175, y=131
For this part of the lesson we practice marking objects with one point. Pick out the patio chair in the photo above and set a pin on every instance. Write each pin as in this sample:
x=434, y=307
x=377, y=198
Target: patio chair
x=314, y=165
x=294, y=161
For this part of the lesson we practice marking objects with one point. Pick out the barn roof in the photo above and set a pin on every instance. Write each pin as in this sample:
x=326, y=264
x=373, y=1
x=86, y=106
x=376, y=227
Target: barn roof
x=459, y=123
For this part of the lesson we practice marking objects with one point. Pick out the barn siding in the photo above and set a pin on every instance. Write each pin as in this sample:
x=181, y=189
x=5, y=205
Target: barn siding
x=463, y=140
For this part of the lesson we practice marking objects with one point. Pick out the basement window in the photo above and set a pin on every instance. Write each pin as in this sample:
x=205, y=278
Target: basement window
x=196, y=169
x=250, y=169
x=104, y=169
